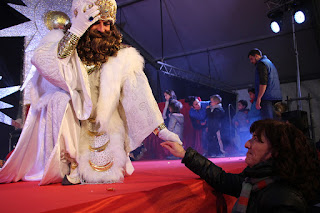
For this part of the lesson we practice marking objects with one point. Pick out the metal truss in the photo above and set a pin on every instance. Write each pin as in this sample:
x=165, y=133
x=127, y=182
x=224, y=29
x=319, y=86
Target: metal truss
x=191, y=76
x=279, y=4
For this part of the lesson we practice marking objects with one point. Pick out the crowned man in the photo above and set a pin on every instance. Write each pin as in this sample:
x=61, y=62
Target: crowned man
x=91, y=104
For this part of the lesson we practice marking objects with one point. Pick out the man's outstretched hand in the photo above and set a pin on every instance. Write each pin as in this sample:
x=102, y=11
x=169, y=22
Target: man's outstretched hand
x=175, y=148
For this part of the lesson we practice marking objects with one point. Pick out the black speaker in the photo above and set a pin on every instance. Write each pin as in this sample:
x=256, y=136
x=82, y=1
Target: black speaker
x=299, y=119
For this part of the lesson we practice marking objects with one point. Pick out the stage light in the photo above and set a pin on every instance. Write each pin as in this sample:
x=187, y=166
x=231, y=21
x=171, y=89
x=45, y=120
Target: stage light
x=275, y=26
x=299, y=17
x=276, y=20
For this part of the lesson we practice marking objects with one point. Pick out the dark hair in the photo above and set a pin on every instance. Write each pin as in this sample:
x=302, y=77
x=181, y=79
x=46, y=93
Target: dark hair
x=175, y=106
x=244, y=103
x=191, y=99
x=216, y=97
x=171, y=93
x=254, y=52
x=252, y=90
x=293, y=157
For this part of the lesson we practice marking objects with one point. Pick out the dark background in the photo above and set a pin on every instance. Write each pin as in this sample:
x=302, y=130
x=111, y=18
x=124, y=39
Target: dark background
x=11, y=66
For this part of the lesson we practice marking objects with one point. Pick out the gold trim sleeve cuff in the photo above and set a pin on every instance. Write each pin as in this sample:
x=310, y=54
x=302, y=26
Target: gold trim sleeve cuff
x=159, y=128
x=67, y=45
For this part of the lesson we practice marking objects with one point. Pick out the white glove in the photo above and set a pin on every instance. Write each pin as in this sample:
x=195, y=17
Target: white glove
x=166, y=135
x=81, y=22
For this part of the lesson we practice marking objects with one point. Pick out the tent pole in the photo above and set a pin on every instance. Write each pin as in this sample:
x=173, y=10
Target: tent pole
x=299, y=107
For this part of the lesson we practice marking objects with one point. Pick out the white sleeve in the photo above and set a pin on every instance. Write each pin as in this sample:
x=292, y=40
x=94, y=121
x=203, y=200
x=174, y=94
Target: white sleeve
x=67, y=74
x=140, y=107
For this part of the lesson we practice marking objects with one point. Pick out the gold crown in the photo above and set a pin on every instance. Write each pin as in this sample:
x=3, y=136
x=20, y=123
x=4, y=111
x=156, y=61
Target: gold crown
x=107, y=8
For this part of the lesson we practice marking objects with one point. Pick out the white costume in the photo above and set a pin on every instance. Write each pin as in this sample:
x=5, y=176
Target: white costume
x=125, y=109
x=82, y=126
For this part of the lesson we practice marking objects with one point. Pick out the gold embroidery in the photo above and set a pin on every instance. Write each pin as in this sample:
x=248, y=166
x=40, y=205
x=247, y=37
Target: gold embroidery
x=91, y=120
x=101, y=168
x=108, y=9
x=99, y=149
x=91, y=68
x=96, y=134
x=67, y=45
x=74, y=165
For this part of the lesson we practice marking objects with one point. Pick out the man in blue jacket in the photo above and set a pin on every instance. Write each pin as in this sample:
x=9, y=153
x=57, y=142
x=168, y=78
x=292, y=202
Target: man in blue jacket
x=267, y=84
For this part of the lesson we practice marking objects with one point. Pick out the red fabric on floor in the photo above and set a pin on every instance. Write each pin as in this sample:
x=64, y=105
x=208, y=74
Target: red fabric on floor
x=187, y=196
x=155, y=186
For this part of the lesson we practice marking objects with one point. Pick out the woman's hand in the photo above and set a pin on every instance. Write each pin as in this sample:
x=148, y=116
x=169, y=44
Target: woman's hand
x=175, y=148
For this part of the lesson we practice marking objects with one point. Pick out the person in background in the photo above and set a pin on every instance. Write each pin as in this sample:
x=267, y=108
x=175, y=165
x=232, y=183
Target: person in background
x=282, y=173
x=267, y=84
x=198, y=118
x=241, y=123
x=254, y=114
x=168, y=96
x=215, y=114
x=176, y=122
x=279, y=108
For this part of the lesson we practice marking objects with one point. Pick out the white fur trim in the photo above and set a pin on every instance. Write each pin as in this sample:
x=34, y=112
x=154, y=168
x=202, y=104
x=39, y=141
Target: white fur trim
x=113, y=74
x=115, y=150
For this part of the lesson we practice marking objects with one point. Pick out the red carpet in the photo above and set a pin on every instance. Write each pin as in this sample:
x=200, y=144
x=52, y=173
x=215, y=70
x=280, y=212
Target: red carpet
x=155, y=186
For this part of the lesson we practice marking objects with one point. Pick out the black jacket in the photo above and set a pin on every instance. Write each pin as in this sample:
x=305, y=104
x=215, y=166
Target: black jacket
x=214, y=119
x=276, y=197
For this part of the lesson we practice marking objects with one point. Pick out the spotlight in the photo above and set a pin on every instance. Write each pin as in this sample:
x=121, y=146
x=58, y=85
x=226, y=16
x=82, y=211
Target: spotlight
x=276, y=17
x=275, y=26
x=299, y=17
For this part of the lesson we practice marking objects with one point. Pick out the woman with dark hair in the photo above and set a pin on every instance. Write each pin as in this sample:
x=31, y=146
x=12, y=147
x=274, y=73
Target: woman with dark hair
x=168, y=95
x=171, y=93
x=282, y=173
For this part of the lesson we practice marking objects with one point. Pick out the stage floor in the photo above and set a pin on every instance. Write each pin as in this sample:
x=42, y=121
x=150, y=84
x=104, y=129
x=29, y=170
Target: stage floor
x=155, y=186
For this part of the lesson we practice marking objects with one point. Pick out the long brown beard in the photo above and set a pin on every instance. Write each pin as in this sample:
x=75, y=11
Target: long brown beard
x=94, y=48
